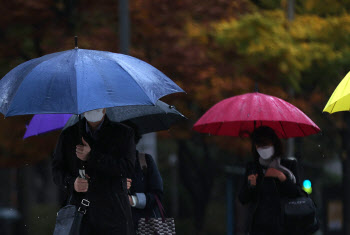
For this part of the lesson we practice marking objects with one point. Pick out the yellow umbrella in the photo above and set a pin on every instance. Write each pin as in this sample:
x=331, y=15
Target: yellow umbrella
x=340, y=99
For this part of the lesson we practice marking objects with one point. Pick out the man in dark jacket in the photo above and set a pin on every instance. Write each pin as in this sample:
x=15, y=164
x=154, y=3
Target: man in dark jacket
x=106, y=150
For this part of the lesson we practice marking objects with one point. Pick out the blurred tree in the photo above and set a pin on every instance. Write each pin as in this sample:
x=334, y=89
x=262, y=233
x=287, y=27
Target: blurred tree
x=212, y=49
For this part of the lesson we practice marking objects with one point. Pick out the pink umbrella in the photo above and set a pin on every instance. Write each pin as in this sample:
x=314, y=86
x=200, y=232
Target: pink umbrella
x=240, y=115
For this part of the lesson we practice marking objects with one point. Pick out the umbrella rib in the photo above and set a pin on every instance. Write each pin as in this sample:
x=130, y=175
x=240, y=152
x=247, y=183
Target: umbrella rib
x=302, y=130
x=114, y=61
x=277, y=107
x=31, y=70
x=221, y=123
x=333, y=106
x=285, y=134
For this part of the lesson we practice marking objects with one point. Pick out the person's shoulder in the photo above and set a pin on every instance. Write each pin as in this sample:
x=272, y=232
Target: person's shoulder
x=120, y=127
x=70, y=130
x=289, y=162
x=149, y=158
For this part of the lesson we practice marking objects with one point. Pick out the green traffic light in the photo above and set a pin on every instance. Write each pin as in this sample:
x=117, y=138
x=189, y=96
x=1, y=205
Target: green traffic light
x=307, y=186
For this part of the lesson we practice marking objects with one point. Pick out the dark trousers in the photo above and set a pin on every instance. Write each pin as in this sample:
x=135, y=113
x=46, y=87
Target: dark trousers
x=266, y=231
x=105, y=219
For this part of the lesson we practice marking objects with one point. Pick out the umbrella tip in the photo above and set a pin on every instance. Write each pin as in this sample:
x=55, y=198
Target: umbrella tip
x=76, y=42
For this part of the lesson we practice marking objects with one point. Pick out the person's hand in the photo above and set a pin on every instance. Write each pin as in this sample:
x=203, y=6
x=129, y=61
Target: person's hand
x=272, y=172
x=81, y=185
x=131, y=201
x=252, y=179
x=83, y=151
x=128, y=183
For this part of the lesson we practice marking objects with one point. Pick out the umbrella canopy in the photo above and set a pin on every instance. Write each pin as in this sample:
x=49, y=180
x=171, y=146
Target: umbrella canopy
x=42, y=123
x=340, y=99
x=78, y=80
x=147, y=118
x=240, y=115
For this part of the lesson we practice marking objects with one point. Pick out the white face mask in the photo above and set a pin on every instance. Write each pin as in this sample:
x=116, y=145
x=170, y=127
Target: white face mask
x=266, y=152
x=94, y=115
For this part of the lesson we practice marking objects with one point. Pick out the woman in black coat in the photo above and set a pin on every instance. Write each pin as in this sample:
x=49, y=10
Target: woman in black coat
x=266, y=181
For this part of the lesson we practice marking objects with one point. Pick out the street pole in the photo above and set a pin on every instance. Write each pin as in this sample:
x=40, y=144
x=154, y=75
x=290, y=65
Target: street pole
x=290, y=141
x=124, y=27
x=230, y=208
x=346, y=173
x=148, y=143
x=174, y=189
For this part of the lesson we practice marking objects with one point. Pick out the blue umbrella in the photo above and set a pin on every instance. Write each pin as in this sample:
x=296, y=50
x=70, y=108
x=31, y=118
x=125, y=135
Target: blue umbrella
x=79, y=80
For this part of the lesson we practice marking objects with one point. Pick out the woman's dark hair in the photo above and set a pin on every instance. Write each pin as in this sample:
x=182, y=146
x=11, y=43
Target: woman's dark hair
x=265, y=135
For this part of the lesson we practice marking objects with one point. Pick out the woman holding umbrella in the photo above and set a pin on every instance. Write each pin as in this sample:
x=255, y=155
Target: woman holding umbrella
x=266, y=181
x=269, y=178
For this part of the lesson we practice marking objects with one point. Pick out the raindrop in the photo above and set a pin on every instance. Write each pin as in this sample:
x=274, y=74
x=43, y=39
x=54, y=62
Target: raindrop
x=25, y=225
x=319, y=146
x=38, y=217
x=323, y=155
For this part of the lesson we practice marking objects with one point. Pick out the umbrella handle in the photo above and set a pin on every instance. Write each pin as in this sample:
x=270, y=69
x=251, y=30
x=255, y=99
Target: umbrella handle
x=80, y=124
x=76, y=42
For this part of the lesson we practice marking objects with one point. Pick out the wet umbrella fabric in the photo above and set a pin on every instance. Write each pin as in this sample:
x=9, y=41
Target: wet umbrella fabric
x=240, y=115
x=148, y=118
x=80, y=80
x=340, y=99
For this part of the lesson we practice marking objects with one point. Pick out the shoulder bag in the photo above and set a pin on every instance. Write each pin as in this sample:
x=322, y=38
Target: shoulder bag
x=299, y=214
x=69, y=218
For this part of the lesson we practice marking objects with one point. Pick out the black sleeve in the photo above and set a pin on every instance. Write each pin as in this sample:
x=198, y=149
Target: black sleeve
x=61, y=176
x=110, y=165
x=248, y=193
x=154, y=183
x=288, y=187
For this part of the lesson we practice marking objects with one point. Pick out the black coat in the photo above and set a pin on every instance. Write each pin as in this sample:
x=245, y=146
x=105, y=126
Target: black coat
x=111, y=160
x=264, y=198
x=149, y=182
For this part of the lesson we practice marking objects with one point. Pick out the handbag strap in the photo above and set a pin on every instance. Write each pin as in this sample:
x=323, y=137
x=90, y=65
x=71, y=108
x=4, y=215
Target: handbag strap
x=84, y=204
x=160, y=206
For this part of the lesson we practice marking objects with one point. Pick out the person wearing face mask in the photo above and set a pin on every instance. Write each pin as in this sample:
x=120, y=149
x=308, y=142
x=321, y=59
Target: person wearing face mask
x=268, y=178
x=107, y=151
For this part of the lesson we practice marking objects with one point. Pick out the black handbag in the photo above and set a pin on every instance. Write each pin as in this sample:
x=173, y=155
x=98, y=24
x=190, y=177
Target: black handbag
x=299, y=214
x=69, y=219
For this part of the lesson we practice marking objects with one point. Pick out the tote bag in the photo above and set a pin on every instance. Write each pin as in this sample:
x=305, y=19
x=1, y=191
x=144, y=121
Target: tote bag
x=156, y=226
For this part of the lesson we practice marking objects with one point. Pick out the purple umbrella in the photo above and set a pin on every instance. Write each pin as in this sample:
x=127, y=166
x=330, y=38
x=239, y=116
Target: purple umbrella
x=42, y=123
